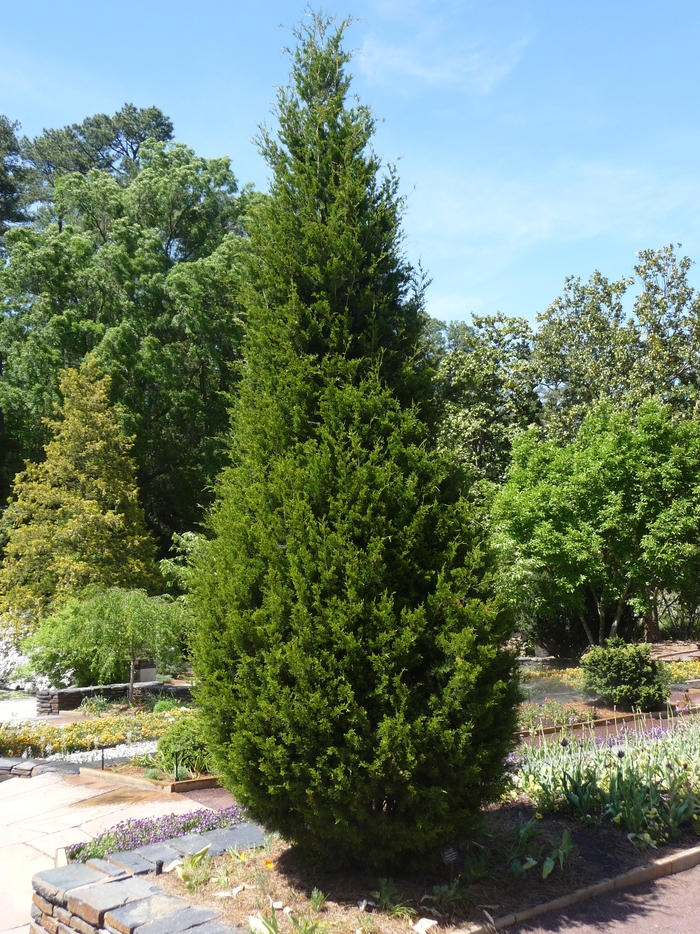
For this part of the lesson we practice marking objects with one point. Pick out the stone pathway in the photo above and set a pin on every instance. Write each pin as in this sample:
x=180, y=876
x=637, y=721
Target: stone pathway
x=41, y=814
x=667, y=906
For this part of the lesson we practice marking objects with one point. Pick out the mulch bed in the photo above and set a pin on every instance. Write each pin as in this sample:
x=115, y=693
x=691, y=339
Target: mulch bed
x=276, y=874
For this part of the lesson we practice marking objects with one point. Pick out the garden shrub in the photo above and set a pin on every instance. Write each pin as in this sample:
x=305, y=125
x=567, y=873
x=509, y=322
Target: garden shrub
x=186, y=738
x=166, y=703
x=625, y=676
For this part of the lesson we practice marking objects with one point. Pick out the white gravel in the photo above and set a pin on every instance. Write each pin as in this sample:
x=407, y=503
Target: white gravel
x=112, y=752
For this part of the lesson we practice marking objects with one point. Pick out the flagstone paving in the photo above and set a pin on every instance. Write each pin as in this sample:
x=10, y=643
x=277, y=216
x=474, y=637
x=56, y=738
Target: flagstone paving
x=39, y=815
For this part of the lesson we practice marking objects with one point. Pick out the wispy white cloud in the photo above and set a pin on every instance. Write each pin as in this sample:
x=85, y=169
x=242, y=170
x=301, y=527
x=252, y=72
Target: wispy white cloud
x=476, y=229
x=467, y=67
x=567, y=201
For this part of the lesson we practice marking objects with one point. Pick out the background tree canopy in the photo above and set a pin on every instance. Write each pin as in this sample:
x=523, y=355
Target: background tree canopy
x=614, y=515
x=142, y=276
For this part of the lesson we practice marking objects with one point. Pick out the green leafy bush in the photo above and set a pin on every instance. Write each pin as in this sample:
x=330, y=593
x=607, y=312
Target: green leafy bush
x=94, y=639
x=625, y=676
x=166, y=703
x=185, y=738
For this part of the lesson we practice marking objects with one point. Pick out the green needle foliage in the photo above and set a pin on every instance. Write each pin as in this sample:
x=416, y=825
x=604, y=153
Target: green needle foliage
x=75, y=518
x=350, y=670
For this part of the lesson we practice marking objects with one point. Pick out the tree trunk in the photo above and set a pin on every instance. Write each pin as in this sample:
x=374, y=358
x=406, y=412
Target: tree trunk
x=620, y=608
x=132, y=668
x=652, y=632
x=589, y=634
x=600, y=604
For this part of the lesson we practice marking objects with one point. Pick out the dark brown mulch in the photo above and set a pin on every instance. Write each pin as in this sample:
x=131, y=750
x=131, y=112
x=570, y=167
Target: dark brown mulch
x=487, y=885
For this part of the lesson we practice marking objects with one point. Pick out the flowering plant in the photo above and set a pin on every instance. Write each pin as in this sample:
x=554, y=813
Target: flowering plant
x=130, y=834
x=34, y=737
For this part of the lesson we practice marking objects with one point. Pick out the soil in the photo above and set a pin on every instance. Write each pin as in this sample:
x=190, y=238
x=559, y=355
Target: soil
x=137, y=771
x=276, y=874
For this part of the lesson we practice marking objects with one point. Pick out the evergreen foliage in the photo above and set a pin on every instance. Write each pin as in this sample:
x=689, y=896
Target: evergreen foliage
x=625, y=676
x=74, y=519
x=108, y=143
x=350, y=668
x=12, y=175
x=143, y=277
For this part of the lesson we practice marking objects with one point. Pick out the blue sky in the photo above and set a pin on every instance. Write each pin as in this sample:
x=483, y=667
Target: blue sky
x=536, y=139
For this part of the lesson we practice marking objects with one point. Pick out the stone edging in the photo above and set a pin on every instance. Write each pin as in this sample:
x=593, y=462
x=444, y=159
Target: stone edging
x=666, y=866
x=105, y=895
x=57, y=700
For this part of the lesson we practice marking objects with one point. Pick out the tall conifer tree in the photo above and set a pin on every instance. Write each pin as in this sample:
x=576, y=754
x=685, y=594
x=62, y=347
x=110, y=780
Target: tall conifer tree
x=350, y=671
x=74, y=519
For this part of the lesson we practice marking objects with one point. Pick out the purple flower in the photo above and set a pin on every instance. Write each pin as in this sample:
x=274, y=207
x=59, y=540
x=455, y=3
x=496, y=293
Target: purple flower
x=130, y=834
x=565, y=742
x=620, y=753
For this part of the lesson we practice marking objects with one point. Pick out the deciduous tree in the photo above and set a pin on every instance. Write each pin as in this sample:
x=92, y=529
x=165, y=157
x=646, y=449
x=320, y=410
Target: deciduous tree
x=613, y=516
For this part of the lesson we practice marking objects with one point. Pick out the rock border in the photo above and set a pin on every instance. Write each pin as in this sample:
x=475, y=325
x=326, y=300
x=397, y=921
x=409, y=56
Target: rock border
x=666, y=866
x=111, y=894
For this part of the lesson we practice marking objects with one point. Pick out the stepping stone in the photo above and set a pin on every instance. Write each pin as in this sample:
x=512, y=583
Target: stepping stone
x=67, y=768
x=131, y=862
x=7, y=764
x=193, y=843
x=52, y=884
x=108, y=869
x=245, y=836
x=91, y=902
x=24, y=767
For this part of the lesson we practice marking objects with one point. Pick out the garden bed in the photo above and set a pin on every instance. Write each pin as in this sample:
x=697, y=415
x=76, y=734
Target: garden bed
x=41, y=739
x=483, y=882
x=579, y=810
x=128, y=774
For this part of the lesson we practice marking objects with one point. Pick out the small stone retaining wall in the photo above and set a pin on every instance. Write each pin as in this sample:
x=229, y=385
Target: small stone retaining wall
x=54, y=701
x=104, y=896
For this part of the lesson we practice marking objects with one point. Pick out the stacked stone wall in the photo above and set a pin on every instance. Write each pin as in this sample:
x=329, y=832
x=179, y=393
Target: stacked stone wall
x=80, y=899
x=54, y=701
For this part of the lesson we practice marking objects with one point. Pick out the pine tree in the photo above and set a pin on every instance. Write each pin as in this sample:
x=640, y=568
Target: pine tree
x=350, y=671
x=75, y=519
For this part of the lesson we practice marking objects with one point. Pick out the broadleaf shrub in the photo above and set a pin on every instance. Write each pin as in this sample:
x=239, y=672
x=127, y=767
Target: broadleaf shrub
x=625, y=676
